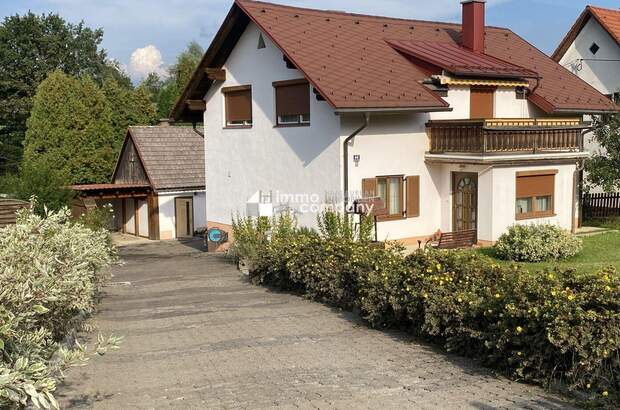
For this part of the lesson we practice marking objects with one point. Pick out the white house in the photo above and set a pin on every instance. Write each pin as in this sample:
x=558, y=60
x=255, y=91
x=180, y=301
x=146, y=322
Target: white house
x=157, y=190
x=455, y=127
x=591, y=51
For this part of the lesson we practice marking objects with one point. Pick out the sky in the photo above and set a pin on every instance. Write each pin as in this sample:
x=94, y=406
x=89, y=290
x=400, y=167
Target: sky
x=146, y=35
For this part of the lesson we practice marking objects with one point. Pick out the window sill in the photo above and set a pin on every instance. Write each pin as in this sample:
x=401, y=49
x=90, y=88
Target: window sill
x=237, y=127
x=387, y=218
x=538, y=215
x=290, y=125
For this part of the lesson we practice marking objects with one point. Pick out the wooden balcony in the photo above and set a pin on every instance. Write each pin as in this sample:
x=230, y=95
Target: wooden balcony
x=502, y=136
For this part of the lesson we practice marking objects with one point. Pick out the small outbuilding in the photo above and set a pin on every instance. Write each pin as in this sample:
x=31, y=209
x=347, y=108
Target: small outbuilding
x=157, y=189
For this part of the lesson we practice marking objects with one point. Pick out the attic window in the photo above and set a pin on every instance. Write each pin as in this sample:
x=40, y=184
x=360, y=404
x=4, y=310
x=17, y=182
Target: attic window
x=594, y=48
x=521, y=93
x=261, y=42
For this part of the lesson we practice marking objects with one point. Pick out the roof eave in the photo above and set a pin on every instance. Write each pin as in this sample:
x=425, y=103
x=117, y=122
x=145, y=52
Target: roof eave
x=392, y=109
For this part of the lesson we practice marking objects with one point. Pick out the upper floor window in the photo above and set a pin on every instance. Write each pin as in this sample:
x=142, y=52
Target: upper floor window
x=292, y=102
x=535, y=194
x=238, y=102
x=594, y=48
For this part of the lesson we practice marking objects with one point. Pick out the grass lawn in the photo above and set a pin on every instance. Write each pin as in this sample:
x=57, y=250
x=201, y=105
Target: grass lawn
x=598, y=251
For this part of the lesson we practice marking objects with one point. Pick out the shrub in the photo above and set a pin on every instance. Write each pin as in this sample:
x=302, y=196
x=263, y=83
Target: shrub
x=98, y=218
x=537, y=243
x=534, y=326
x=50, y=274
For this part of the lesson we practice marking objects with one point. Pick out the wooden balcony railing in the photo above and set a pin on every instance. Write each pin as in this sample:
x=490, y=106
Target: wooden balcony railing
x=506, y=135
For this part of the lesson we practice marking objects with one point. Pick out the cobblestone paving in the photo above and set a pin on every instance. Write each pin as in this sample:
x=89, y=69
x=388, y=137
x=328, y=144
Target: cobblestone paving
x=198, y=337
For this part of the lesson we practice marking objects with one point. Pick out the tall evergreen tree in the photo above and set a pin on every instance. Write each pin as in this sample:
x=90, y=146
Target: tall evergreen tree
x=70, y=126
x=31, y=47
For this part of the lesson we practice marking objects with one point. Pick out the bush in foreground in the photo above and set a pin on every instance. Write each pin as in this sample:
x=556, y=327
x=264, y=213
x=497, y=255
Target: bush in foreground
x=536, y=327
x=51, y=271
x=537, y=243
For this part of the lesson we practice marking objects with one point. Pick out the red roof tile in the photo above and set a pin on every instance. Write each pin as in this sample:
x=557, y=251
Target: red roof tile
x=609, y=19
x=347, y=59
x=460, y=61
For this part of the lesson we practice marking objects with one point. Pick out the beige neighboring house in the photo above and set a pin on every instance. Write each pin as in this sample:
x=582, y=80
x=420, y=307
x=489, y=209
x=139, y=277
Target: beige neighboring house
x=157, y=190
x=455, y=127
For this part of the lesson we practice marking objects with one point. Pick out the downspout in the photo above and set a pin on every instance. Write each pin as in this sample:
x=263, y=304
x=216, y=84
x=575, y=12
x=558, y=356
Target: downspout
x=346, y=155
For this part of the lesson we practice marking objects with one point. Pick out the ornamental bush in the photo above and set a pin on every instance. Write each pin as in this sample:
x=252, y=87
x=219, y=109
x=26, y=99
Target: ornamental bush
x=537, y=243
x=539, y=327
x=51, y=271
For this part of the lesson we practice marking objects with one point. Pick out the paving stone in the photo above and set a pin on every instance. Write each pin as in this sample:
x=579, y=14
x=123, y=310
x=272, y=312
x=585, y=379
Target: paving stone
x=197, y=336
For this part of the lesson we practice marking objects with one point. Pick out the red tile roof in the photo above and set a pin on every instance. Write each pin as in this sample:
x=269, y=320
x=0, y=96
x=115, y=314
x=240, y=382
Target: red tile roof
x=347, y=59
x=460, y=61
x=609, y=19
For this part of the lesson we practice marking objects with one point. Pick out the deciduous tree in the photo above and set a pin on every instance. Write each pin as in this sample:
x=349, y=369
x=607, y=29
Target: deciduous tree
x=603, y=168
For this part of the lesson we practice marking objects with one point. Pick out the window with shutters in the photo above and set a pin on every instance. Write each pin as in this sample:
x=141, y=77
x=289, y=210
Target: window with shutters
x=481, y=102
x=535, y=194
x=401, y=195
x=238, y=103
x=292, y=102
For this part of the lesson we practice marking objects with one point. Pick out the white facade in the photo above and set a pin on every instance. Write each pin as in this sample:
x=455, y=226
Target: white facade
x=600, y=70
x=281, y=161
x=167, y=212
x=308, y=160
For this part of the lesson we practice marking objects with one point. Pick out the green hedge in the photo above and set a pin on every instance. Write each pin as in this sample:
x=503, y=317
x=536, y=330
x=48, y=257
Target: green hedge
x=536, y=327
x=51, y=271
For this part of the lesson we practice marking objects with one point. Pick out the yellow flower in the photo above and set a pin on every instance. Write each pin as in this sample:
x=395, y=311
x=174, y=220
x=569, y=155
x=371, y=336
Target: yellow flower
x=550, y=276
x=571, y=297
x=607, y=288
x=605, y=393
x=425, y=295
x=519, y=329
x=438, y=266
x=553, y=293
x=460, y=300
x=588, y=386
x=429, y=270
x=519, y=353
x=497, y=296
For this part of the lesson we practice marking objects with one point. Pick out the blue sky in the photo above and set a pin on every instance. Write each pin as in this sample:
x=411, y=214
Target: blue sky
x=155, y=31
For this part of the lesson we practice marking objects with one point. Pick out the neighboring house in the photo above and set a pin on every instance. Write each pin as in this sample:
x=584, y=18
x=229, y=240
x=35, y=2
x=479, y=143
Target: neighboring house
x=8, y=210
x=158, y=186
x=456, y=128
x=591, y=51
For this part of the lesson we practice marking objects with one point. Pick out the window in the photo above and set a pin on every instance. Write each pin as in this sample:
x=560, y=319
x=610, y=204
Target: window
x=292, y=102
x=238, y=101
x=391, y=189
x=535, y=193
x=261, y=42
x=594, y=48
x=521, y=93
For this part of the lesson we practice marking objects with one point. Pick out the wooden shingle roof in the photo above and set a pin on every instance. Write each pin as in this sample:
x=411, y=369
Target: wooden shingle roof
x=173, y=157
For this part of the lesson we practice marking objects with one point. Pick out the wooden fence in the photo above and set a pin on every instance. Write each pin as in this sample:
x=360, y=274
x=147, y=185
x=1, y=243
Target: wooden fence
x=601, y=205
x=8, y=208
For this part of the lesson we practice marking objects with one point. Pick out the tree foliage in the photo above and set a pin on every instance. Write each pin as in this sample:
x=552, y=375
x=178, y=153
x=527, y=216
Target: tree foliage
x=165, y=93
x=31, y=47
x=603, y=168
x=70, y=126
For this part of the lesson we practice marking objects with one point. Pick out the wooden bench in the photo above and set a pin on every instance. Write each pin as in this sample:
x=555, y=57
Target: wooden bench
x=454, y=240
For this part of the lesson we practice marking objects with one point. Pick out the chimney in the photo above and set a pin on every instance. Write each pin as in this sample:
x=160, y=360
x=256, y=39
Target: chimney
x=164, y=122
x=472, y=34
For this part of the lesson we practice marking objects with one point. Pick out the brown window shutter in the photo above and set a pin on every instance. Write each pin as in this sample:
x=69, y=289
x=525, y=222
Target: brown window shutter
x=293, y=99
x=239, y=105
x=413, y=196
x=369, y=187
x=481, y=102
x=537, y=185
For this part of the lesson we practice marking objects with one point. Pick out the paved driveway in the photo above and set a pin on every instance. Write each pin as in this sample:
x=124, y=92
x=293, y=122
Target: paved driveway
x=198, y=337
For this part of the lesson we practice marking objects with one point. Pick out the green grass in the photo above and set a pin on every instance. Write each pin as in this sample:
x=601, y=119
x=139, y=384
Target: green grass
x=599, y=251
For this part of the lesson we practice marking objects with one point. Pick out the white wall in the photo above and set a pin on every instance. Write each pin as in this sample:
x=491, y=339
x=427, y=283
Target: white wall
x=602, y=75
x=240, y=162
x=167, y=217
x=394, y=145
x=504, y=192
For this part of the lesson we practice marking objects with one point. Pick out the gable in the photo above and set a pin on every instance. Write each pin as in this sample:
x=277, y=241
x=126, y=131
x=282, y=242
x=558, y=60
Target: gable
x=129, y=169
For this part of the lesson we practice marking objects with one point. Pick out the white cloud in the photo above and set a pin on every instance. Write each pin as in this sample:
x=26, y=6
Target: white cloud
x=146, y=60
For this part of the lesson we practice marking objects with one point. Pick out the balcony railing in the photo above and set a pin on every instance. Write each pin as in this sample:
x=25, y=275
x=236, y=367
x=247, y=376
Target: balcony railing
x=506, y=135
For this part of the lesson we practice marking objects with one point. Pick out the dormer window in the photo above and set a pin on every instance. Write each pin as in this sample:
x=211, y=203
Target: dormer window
x=594, y=48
